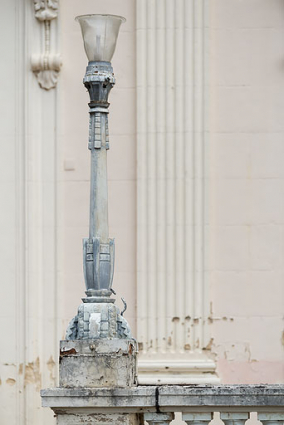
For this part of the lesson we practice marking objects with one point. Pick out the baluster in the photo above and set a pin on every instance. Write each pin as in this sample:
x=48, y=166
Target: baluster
x=158, y=418
x=271, y=418
x=197, y=418
x=234, y=418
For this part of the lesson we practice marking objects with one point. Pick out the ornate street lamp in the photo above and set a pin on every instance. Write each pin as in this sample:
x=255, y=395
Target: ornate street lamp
x=98, y=328
x=98, y=351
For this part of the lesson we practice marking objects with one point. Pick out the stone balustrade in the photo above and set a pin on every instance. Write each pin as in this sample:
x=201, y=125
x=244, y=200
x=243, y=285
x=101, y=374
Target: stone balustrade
x=158, y=404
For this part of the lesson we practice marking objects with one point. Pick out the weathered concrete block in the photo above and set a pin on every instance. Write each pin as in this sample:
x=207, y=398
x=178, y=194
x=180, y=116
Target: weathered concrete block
x=101, y=419
x=98, y=363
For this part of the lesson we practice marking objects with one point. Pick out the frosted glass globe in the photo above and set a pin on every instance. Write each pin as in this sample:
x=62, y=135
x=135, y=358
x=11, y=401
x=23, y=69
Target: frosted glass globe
x=100, y=34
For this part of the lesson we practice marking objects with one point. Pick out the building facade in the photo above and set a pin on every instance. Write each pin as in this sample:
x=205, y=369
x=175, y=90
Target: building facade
x=196, y=189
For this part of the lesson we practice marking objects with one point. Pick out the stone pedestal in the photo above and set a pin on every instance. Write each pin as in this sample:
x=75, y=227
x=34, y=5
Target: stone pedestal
x=98, y=363
x=89, y=364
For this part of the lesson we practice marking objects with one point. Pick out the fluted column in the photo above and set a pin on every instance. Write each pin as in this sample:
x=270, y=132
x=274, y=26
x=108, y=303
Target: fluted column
x=172, y=304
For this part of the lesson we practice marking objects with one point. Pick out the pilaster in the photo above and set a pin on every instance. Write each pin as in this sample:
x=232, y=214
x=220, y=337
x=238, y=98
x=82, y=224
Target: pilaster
x=172, y=292
x=29, y=218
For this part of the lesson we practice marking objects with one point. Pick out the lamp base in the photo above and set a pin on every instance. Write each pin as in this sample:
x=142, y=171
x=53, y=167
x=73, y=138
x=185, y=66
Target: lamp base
x=97, y=363
x=99, y=320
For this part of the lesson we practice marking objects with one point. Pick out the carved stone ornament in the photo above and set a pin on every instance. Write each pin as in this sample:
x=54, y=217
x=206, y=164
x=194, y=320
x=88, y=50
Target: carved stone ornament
x=46, y=10
x=46, y=66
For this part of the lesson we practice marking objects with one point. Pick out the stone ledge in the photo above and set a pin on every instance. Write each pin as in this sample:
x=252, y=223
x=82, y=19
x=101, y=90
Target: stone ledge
x=195, y=398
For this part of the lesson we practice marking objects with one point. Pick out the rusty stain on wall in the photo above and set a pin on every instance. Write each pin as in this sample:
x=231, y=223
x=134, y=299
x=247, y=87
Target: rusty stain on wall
x=32, y=374
x=67, y=352
x=50, y=366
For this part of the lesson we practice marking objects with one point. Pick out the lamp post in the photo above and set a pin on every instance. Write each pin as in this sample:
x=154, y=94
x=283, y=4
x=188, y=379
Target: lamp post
x=98, y=317
x=99, y=351
x=100, y=34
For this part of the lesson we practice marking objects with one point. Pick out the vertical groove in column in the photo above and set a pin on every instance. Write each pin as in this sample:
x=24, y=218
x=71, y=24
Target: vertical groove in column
x=193, y=294
x=142, y=231
x=189, y=170
x=179, y=176
x=170, y=198
x=20, y=218
x=161, y=182
x=206, y=294
x=151, y=142
x=198, y=177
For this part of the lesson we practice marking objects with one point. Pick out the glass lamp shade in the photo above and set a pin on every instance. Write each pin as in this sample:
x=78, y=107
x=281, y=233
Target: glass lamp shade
x=100, y=34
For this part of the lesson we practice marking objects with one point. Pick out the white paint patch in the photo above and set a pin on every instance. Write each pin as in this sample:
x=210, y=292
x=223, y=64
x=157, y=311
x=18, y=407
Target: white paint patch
x=95, y=325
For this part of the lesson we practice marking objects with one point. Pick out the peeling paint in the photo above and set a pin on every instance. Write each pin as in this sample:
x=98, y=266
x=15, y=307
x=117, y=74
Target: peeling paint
x=10, y=381
x=187, y=318
x=169, y=340
x=187, y=347
x=130, y=349
x=282, y=338
x=68, y=352
x=0, y=381
x=140, y=346
x=32, y=374
x=209, y=345
x=237, y=352
x=20, y=368
x=215, y=319
x=175, y=319
x=247, y=350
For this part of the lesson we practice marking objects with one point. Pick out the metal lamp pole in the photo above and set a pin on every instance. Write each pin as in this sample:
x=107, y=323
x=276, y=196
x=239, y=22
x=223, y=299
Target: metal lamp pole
x=100, y=34
x=98, y=317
